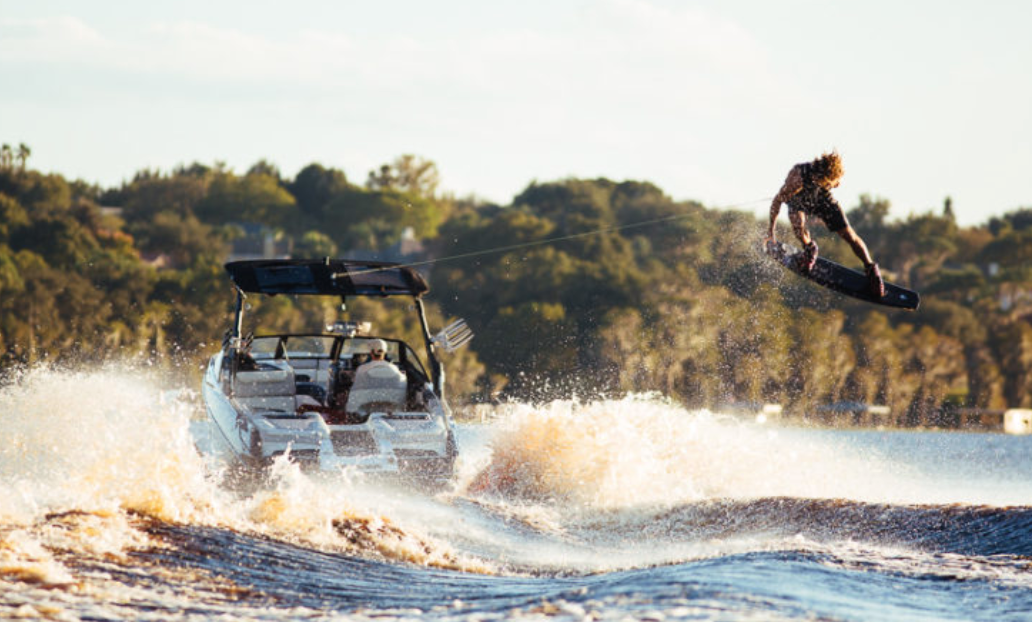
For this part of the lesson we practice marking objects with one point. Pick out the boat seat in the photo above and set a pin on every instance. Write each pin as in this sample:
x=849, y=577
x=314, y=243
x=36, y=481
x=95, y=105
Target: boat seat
x=267, y=388
x=383, y=383
x=306, y=400
x=314, y=390
x=317, y=370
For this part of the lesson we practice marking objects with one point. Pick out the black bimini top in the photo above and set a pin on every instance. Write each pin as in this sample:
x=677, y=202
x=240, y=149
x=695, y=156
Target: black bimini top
x=326, y=277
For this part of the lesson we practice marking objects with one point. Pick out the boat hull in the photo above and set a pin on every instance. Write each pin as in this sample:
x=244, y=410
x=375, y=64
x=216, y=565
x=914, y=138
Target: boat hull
x=254, y=434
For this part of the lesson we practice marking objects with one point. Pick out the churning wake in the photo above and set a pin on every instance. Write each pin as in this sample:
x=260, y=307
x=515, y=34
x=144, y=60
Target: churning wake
x=106, y=488
x=89, y=459
x=646, y=451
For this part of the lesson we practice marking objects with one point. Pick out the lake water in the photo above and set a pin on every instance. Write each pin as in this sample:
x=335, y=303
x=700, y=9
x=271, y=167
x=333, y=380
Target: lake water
x=611, y=510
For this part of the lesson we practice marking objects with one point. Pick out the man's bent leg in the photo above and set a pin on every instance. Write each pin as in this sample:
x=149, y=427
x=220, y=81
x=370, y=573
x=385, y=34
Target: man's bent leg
x=808, y=258
x=859, y=248
x=874, y=277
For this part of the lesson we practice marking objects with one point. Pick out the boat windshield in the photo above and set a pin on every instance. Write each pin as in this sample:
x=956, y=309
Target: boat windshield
x=292, y=346
x=355, y=350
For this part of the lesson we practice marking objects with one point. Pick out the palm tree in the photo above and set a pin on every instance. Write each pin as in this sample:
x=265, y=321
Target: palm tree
x=23, y=154
x=5, y=156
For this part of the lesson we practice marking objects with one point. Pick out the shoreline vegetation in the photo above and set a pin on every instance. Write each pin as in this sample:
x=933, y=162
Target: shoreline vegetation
x=685, y=306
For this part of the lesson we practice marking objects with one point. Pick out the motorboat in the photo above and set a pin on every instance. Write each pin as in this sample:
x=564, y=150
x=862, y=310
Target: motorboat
x=313, y=397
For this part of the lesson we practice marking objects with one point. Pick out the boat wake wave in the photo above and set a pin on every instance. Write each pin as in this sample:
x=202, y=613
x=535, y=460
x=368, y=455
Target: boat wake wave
x=788, y=523
x=641, y=481
x=105, y=498
x=644, y=452
x=91, y=461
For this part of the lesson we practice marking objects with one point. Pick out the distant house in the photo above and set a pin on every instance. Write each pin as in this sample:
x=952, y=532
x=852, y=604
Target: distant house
x=984, y=419
x=759, y=412
x=259, y=242
x=406, y=250
x=855, y=414
x=1010, y=420
x=157, y=260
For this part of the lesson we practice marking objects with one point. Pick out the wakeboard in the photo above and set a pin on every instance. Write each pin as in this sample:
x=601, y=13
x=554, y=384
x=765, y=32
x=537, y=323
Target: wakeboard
x=843, y=280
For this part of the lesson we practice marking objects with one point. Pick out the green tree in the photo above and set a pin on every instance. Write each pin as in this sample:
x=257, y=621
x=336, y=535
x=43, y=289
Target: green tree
x=1011, y=342
x=267, y=169
x=917, y=248
x=408, y=174
x=63, y=241
x=12, y=217
x=150, y=195
x=23, y=155
x=821, y=358
x=182, y=238
x=938, y=363
x=315, y=186
x=251, y=198
x=42, y=196
x=869, y=219
x=1011, y=248
x=315, y=244
x=985, y=379
x=575, y=206
x=876, y=378
x=970, y=242
x=361, y=219
x=619, y=355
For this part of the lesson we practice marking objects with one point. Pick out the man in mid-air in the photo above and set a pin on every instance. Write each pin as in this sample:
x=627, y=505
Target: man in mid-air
x=807, y=191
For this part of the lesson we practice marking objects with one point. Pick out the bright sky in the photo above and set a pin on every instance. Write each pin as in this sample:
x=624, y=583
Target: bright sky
x=711, y=100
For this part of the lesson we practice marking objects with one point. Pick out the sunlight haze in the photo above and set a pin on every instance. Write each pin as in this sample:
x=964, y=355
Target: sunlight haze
x=711, y=101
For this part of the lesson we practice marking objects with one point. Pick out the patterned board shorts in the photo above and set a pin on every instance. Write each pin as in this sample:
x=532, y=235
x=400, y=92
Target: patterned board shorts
x=828, y=211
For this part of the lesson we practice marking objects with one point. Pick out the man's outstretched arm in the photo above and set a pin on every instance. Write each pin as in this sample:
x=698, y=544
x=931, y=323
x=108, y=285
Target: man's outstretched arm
x=793, y=184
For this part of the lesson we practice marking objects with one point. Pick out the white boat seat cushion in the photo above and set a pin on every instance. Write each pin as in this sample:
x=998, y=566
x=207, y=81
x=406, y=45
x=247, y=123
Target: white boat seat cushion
x=264, y=382
x=268, y=388
x=305, y=400
x=377, y=381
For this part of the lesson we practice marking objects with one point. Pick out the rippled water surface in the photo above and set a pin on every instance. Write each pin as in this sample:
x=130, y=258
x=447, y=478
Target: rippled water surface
x=110, y=509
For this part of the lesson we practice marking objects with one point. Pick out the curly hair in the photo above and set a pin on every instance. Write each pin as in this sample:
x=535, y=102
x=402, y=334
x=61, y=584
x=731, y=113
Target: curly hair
x=828, y=166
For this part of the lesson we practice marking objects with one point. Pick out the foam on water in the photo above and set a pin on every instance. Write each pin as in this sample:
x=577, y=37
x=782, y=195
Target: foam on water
x=84, y=455
x=87, y=456
x=644, y=451
x=108, y=511
x=96, y=441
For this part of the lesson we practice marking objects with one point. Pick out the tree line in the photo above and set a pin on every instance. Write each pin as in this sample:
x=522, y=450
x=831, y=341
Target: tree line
x=686, y=306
